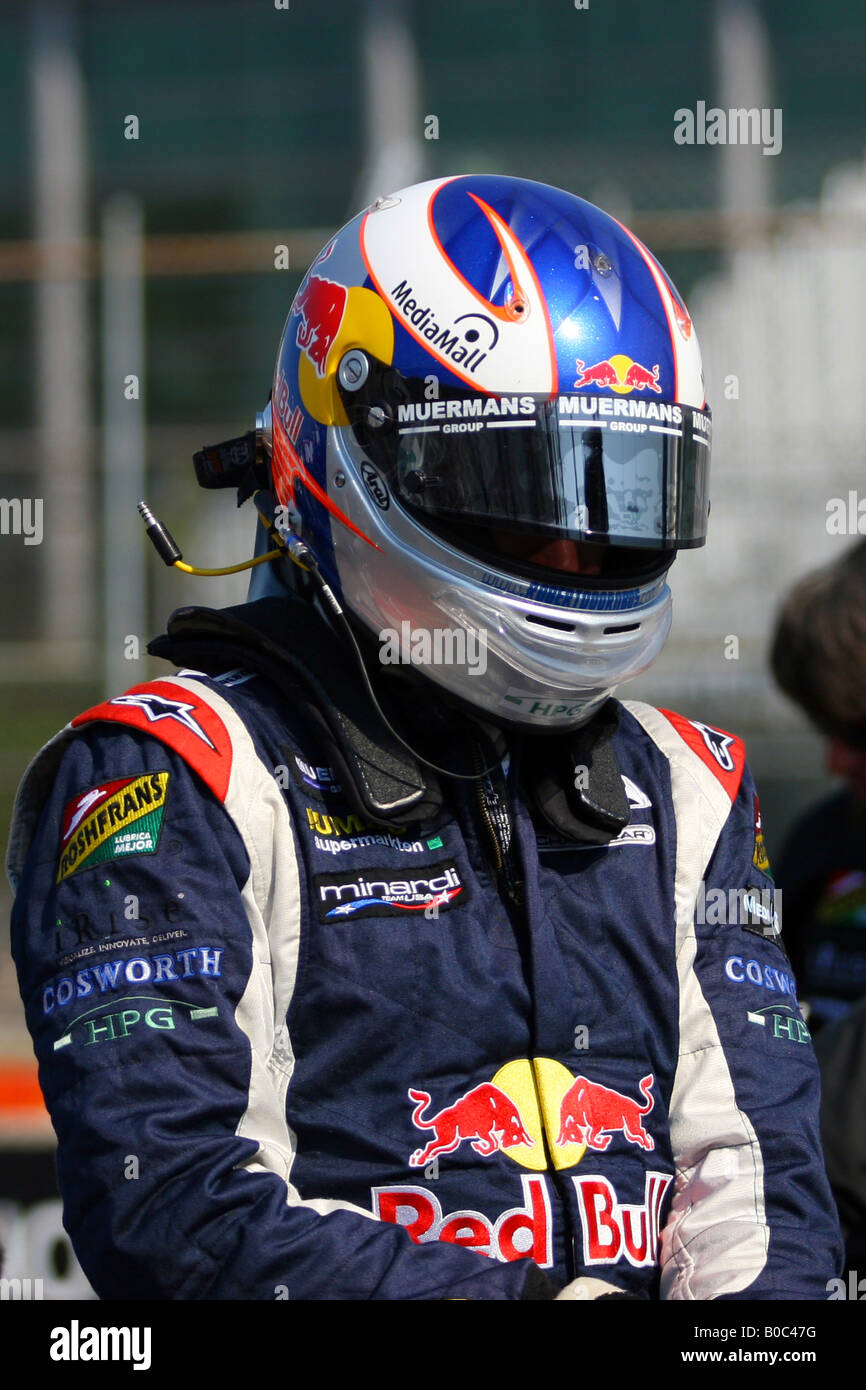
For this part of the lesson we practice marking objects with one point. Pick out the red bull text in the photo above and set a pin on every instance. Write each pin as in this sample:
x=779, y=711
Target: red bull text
x=611, y=1230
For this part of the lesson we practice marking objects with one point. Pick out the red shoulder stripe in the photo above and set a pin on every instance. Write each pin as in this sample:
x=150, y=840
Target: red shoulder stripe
x=724, y=754
x=180, y=719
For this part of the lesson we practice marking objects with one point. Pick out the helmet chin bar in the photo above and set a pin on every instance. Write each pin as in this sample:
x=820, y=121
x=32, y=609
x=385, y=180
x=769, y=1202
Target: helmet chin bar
x=531, y=656
x=573, y=716
x=507, y=683
x=536, y=671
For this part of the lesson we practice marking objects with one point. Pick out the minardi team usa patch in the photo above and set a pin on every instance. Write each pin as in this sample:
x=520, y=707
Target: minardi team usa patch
x=112, y=821
x=430, y=890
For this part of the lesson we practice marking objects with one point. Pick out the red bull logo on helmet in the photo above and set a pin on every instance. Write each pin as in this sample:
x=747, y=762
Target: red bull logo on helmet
x=622, y=374
x=320, y=306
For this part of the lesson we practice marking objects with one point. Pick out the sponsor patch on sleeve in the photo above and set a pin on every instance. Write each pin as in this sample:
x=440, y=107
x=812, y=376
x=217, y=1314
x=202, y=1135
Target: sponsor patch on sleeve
x=723, y=754
x=181, y=719
x=760, y=858
x=781, y=1021
x=112, y=821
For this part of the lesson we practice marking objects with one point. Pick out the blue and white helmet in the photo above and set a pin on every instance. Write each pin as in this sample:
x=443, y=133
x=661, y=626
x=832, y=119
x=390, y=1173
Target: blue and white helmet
x=489, y=426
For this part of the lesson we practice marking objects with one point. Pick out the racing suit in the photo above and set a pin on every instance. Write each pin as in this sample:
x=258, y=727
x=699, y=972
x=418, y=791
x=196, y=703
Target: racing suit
x=294, y=1048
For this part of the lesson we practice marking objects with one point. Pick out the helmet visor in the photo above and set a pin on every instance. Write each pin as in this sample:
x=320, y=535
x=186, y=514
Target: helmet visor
x=611, y=470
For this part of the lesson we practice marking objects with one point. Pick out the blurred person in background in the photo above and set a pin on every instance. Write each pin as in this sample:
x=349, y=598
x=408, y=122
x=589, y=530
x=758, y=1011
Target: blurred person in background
x=383, y=906
x=841, y=1051
x=819, y=660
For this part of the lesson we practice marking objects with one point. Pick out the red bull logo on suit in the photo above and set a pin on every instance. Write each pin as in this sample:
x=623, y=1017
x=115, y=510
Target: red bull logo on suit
x=527, y=1104
x=595, y=1113
x=486, y=1116
x=537, y=1114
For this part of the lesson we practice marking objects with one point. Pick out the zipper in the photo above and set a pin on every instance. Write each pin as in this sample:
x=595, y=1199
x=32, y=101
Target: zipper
x=485, y=810
x=500, y=843
x=511, y=885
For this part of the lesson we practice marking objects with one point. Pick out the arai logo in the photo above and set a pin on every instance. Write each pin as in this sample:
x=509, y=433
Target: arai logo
x=375, y=486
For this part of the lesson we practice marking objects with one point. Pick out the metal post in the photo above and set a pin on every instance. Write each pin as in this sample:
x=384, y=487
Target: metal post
x=743, y=76
x=124, y=591
x=61, y=335
x=394, y=155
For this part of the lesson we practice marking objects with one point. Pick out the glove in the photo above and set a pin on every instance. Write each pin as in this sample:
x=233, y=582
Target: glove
x=586, y=1288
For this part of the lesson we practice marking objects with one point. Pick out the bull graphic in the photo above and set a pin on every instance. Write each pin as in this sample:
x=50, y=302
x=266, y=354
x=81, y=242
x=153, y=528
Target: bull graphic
x=599, y=374
x=591, y=1113
x=485, y=1115
x=320, y=306
x=638, y=378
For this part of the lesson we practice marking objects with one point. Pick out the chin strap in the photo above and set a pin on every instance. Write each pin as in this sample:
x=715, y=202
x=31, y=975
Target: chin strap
x=575, y=783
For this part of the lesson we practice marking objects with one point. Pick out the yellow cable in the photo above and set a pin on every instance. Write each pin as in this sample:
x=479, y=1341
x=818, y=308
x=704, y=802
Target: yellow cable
x=228, y=569
x=280, y=553
x=269, y=527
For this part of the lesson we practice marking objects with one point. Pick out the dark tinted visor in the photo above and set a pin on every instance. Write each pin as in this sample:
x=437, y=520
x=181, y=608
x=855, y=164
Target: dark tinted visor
x=615, y=470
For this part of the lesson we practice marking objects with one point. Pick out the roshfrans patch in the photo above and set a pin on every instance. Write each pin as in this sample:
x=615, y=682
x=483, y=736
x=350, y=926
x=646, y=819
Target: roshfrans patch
x=112, y=821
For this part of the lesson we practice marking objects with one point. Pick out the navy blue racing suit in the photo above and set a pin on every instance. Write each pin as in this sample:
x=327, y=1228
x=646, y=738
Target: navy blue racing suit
x=289, y=1053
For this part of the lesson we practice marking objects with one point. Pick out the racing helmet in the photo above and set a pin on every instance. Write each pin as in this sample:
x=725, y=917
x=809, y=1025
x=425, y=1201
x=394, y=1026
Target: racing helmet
x=488, y=425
